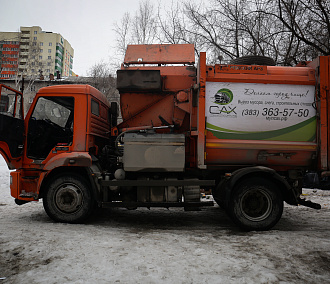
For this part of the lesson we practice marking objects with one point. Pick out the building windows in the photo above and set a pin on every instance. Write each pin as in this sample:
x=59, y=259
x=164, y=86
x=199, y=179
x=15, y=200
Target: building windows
x=27, y=47
x=9, y=42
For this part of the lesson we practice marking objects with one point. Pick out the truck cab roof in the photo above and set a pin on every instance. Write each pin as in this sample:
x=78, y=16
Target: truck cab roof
x=74, y=89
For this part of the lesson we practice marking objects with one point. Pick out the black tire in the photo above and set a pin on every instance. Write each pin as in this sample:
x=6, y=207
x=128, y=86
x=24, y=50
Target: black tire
x=68, y=199
x=253, y=60
x=218, y=194
x=324, y=185
x=256, y=204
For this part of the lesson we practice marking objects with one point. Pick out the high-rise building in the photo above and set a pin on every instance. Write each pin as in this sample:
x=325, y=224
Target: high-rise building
x=39, y=53
x=9, y=54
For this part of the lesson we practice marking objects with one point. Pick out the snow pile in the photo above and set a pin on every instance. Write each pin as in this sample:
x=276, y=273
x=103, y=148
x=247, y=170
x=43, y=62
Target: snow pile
x=162, y=246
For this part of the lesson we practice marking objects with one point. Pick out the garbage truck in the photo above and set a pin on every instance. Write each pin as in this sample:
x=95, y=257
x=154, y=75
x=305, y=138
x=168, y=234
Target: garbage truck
x=247, y=131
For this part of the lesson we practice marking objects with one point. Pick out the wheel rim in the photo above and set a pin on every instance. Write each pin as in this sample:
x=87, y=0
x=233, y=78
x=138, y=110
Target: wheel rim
x=68, y=198
x=256, y=204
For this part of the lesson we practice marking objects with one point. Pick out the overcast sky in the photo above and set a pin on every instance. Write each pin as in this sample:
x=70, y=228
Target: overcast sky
x=86, y=24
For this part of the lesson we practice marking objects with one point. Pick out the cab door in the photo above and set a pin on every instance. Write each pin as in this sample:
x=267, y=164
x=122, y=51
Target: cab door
x=11, y=124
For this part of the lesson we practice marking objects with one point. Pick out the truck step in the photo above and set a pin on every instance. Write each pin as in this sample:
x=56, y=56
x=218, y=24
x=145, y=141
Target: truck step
x=28, y=195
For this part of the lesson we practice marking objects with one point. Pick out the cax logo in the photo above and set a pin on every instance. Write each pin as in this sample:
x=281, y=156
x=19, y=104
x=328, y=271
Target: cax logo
x=223, y=97
x=223, y=109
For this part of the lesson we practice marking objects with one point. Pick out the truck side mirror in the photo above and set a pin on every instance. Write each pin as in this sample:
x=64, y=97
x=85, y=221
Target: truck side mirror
x=113, y=113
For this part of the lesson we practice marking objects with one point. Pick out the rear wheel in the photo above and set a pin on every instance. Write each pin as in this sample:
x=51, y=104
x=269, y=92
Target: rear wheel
x=68, y=199
x=219, y=194
x=256, y=204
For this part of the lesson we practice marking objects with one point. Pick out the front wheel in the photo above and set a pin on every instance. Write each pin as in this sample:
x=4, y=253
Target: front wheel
x=256, y=204
x=68, y=199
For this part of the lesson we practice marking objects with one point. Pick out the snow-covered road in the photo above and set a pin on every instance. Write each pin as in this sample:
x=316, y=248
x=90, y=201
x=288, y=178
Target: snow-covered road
x=161, y=246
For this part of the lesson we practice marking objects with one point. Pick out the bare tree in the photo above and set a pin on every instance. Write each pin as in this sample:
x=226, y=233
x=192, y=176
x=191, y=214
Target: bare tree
x=32, y=65
x=171, y=23
x=122, y=30
x=102, y=80
x=215, y=30
x=145, y=24
x=141, y=28
x=287, y=30
x=309, y=22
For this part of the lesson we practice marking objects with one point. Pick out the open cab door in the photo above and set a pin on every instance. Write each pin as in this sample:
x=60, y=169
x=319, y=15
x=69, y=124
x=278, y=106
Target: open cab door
x=11, y=126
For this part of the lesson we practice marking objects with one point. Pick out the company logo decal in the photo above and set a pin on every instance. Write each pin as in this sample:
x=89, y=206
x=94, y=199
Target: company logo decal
x=223, y=98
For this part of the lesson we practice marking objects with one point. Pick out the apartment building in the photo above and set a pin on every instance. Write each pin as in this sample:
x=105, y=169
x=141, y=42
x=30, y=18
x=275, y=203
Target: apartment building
x=9, y=54
x=39, y=53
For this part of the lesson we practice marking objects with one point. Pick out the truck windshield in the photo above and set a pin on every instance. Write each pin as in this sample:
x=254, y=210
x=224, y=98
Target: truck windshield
x=50, y=125
x=48, y=108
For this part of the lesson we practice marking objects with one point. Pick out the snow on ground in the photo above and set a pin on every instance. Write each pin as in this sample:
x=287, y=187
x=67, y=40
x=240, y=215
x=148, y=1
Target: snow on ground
x=161, y=246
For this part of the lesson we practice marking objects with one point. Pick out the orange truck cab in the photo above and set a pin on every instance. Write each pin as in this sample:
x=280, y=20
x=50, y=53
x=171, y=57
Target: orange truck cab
x=61, y=133
x=250, y=134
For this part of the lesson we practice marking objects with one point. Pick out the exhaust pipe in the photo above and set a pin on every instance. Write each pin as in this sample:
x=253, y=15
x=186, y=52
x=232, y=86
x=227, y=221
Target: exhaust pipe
x=309, y=203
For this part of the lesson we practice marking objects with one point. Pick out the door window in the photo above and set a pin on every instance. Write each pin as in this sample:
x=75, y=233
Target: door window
x=8, y=105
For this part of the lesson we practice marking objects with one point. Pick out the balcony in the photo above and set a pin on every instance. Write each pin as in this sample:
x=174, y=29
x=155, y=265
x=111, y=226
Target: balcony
x=25, y=39
x=24, y=54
